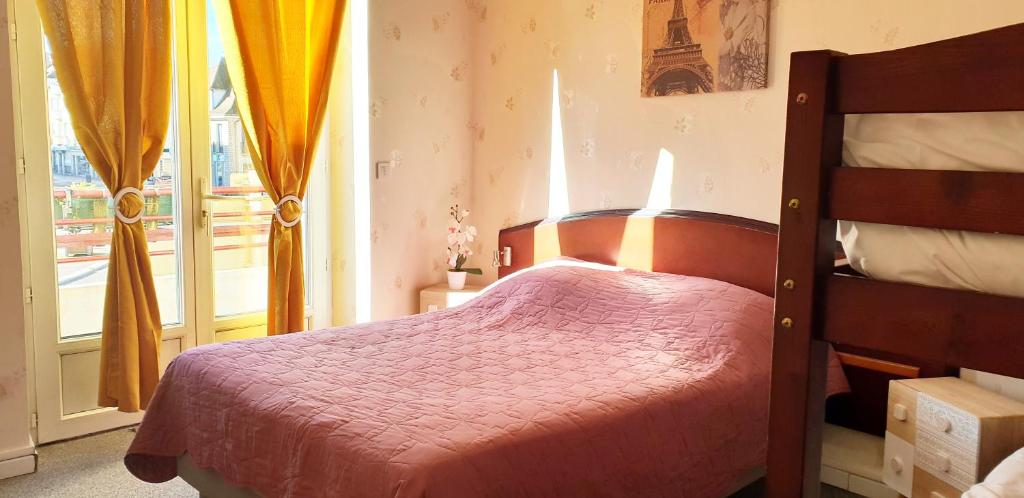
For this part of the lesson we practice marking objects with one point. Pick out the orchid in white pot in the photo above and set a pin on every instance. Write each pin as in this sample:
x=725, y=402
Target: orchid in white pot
x=459, y=237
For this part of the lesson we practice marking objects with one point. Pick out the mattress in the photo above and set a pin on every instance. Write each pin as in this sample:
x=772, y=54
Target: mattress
x=990, y=263
x=565, y=380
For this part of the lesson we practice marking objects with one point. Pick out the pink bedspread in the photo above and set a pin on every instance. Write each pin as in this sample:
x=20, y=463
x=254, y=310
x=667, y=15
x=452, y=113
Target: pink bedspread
x=561, y=382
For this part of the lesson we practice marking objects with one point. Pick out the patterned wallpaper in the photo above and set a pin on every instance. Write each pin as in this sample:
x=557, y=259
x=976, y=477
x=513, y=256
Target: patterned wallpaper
x=462, y=98
x=421, y=96
x=727, y=147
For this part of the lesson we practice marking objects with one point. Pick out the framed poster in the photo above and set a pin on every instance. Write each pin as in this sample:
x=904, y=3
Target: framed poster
x=702, y=46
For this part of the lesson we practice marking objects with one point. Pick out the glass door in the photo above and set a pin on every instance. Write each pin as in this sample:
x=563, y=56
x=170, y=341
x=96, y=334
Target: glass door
x=71, y=217
x=235, y=211
x=207, y=220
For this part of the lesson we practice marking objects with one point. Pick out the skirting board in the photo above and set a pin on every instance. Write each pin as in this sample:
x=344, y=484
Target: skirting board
x=18, y=466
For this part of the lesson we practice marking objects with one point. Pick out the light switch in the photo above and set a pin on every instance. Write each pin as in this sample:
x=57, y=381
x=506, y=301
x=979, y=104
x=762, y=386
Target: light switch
x=383, y=169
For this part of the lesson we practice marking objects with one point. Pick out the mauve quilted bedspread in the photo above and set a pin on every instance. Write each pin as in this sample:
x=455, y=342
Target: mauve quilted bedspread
x=559, y=382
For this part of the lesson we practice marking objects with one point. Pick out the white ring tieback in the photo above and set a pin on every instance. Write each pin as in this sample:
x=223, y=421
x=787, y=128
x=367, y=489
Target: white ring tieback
x=117, y=200
x=281, y=203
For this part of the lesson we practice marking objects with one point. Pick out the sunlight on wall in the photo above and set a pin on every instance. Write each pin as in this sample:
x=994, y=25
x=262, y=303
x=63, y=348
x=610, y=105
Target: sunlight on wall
x=545, y=236
x=361, y=159
x=558, y=184
x=661, y=186
x=637, y=247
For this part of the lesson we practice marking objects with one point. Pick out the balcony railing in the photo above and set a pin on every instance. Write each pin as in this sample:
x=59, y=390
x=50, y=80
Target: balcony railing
x=84, y=220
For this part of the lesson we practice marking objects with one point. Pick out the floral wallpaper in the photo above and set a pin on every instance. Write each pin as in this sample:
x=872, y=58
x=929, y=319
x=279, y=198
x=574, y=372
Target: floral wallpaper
x=421, y=96
x=727, y=148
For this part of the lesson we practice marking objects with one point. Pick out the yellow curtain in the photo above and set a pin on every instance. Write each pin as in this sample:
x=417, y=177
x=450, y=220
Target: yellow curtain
x=280, y=56
x=113, y=63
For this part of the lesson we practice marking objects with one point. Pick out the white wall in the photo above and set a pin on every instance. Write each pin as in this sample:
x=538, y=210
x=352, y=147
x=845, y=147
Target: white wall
x=16, y=446
x=420, y=98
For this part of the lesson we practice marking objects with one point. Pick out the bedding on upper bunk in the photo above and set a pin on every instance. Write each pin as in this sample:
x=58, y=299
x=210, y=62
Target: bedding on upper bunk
x=990, y=263
x=563, y=380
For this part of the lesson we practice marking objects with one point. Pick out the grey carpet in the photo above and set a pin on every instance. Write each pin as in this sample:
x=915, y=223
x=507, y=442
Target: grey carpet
x=92, y=467
x=89, y=467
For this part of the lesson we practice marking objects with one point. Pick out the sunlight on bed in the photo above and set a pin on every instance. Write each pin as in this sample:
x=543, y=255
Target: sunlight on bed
x=550, y=264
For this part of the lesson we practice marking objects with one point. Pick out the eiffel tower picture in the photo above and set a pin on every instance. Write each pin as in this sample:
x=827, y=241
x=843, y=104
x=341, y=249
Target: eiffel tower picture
x=678, y=66
x=677, y=63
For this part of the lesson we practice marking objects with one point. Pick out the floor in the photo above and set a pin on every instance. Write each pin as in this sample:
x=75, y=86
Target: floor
x=91, y=467
x=756, y=490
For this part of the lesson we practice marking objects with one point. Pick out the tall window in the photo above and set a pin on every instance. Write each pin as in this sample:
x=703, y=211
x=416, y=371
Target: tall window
x=83, y=220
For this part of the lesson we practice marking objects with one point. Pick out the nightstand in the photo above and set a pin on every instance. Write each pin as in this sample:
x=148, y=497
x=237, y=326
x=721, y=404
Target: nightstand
x=438, y=297
x=945, y=434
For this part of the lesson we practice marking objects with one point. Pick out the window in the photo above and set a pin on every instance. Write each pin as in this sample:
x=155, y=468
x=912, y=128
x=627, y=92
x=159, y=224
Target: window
x=83, y=220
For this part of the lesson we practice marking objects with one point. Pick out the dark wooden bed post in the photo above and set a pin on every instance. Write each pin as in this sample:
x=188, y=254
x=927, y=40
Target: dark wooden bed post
x=814, y=139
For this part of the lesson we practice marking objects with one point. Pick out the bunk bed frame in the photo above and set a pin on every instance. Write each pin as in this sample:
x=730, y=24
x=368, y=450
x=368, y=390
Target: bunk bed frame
x=815, y=306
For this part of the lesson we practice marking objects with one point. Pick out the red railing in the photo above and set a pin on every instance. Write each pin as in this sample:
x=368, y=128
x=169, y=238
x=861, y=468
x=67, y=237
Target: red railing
x=166, y=252
x=155, y=234
x=100, y=193
x=157, y=218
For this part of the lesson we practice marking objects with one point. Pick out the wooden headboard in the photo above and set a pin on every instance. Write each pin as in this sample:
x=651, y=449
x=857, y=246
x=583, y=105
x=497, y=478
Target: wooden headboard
x=737, y=250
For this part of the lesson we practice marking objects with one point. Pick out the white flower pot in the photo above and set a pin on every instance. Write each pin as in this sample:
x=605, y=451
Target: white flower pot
x=456, y=280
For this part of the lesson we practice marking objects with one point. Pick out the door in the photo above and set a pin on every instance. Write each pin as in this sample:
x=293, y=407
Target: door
x=233, y=210
x=206, y=219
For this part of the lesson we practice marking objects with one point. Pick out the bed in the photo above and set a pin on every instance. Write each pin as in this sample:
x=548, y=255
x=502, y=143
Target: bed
x=934, y=315
x=565, y=378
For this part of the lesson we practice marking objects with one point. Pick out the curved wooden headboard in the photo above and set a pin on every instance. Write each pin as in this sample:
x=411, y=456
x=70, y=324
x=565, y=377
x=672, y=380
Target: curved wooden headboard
x=737, y=250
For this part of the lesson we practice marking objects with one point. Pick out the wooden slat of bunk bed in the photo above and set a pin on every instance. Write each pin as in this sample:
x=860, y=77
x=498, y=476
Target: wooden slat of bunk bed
x=961, y=200
x=976, y=73
x=981, y=72
x=948, y=326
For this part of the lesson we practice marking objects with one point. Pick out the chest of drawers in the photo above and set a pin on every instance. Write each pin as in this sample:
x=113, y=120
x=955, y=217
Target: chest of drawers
x=944, y=434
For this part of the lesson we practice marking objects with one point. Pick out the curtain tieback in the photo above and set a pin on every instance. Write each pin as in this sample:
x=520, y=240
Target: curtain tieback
x=281, y=203
x=117, y=201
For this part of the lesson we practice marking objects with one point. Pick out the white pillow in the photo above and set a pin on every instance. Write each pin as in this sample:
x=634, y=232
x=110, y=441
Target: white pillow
x=1005, y=481
x=989, y=263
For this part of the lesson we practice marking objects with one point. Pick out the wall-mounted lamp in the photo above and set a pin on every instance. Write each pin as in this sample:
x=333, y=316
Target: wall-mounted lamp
x=502, y=257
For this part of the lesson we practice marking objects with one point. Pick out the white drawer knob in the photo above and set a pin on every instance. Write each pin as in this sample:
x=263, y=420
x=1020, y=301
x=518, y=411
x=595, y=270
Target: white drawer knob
x=897, y=465
x=936, y=494
x=899, y=412
x=945, y=464
x=945, y=425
